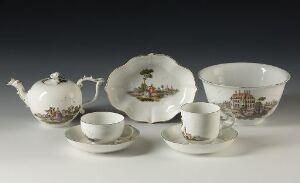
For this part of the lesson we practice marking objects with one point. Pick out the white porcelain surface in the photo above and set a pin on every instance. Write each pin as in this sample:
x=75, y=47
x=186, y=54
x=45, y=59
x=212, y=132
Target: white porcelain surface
x=55, y=101
x=166, y=87
x=76, y=138
x=202, y=121
x=30, y=151
x=249, y=91
x=102, y=126
x=173, y=138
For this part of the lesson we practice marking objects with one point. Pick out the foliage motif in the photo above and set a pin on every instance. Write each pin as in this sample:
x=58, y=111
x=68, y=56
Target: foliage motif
x=150, y=93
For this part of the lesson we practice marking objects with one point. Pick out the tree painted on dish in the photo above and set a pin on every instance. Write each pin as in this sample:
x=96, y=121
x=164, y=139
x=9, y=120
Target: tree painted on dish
x=243, y=105
x=151, y=93
x=55, y=115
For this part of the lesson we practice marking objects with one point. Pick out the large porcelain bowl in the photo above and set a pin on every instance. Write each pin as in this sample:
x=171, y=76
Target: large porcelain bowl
x=248, y=91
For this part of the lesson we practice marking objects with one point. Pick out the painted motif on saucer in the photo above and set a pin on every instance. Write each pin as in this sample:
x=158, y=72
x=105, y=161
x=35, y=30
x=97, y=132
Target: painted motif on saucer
x=175, y=140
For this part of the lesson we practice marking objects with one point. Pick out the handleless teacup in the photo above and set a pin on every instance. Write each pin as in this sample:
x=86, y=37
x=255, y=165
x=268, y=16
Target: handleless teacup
x=102, y=127
x=203, y=121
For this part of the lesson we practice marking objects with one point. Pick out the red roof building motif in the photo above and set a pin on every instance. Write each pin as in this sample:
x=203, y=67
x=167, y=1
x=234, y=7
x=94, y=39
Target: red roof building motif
x=242, y=100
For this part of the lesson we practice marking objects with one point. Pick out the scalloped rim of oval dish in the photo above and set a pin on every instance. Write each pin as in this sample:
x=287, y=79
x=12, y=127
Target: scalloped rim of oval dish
x=129, y=62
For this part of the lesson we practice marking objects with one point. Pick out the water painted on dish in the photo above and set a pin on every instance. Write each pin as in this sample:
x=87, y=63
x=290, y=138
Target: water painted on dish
x=55, y=115
x=150, y=93
x=243, y=105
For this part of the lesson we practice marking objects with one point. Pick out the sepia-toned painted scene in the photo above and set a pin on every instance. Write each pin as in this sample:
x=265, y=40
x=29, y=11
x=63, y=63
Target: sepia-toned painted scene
x=149, y=92
x=243, y=105
x=55, y=115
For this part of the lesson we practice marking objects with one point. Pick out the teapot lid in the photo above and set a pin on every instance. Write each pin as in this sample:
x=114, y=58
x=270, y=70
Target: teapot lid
x=55, y=79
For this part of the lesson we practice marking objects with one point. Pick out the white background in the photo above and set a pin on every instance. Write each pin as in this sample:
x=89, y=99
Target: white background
x=266, y=153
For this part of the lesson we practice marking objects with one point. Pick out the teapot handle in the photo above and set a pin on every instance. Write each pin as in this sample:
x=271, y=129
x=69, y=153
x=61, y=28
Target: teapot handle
x=98, y=81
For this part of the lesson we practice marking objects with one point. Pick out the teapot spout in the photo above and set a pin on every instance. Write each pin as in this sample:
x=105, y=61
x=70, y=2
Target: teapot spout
x=20, y=88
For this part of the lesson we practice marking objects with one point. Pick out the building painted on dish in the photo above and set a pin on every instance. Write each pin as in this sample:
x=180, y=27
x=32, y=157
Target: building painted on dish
x=243, y=100
x=243, y=105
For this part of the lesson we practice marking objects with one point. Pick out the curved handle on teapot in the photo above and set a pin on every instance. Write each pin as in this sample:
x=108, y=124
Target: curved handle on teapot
x=98, y=81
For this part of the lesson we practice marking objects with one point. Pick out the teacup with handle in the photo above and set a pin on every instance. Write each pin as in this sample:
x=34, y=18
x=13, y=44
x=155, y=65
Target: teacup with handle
x=202, y=122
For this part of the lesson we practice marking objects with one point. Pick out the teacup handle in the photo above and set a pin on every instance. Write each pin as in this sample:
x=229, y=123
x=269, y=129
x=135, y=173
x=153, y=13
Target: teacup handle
x=98, y=81
x=224, y=121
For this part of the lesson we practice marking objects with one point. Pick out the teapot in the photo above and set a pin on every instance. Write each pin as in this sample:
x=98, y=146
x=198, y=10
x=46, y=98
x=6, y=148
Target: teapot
x=55, y=101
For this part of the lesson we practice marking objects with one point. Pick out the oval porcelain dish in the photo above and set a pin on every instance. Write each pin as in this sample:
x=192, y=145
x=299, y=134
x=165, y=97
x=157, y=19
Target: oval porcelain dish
x=150, y=88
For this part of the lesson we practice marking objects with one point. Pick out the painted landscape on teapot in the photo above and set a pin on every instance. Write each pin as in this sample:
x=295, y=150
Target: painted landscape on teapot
x=149, y=92
x=55, y=115
x=243, y=105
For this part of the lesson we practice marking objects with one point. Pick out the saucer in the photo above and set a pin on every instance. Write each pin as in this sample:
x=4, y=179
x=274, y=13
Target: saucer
x=174, y=138
x=76, y=138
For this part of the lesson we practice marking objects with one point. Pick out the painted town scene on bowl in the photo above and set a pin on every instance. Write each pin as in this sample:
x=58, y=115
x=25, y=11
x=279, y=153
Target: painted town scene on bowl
x=55, y=115
x=146, y=92
x=243, y=105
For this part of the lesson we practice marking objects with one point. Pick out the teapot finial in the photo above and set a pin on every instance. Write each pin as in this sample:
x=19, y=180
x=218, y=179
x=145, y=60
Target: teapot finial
x=56, y=78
